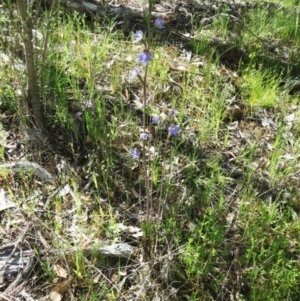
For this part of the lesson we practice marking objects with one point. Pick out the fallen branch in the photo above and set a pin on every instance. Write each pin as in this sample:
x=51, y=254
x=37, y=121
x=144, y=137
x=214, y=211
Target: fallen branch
x=27, y=166
x=121, y=250
x=16, y=266
x=16, y=271
x=94, y=7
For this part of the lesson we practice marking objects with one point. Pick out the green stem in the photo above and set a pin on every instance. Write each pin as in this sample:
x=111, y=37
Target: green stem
x=144, y=141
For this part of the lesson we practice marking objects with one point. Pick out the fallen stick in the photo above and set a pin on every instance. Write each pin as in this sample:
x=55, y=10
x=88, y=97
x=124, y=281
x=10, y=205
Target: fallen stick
x=28, y=166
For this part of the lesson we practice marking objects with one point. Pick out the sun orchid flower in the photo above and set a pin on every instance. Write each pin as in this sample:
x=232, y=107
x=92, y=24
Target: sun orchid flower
x=134, y=153
x=137, y=36
x=174, y=130
x=145, y=57
x=155, y=120
x=144, y=136
x=159, y=23
x=171, y=112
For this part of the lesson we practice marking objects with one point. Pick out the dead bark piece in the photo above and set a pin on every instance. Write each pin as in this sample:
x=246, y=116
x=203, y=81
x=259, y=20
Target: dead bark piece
x=30, y=167
x=17, y=265
x=122, y=250
x=16, y=271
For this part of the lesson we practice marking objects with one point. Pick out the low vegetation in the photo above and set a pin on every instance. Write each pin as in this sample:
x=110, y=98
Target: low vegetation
x=211, y=211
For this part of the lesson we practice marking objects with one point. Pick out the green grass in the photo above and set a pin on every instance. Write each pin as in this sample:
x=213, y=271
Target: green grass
x=228, y=186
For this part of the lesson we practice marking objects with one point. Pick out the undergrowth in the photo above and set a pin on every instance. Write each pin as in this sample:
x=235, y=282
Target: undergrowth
x=213, y=187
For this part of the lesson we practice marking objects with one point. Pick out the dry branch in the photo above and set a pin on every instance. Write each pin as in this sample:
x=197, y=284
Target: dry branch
x=29, y=167
x=16, y=266
x=182, y=9
x=16, y=271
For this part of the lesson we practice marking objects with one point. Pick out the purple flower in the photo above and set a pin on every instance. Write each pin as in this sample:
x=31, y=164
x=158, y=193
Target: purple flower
x=137, y=36
x=171, y=112
x=155, y=120
x=144, y=136
x=134, y=73
x=159, y=23
x=134, y=153
x=145, y=57
x=174, y=130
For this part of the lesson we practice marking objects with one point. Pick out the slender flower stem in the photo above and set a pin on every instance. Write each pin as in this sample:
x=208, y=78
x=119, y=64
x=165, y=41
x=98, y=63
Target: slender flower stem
x=144, y=141
x=144, y=58
x=148, y=45
x=140, y=190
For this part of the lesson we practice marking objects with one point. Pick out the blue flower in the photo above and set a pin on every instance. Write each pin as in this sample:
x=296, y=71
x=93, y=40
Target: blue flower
x=159, y=23
x=171, y=112
x=174, y=130
x=145, y=57
x=137, y=36
x=134, y=73
x=144, y=136
x=155, y=120
x=134, y=153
